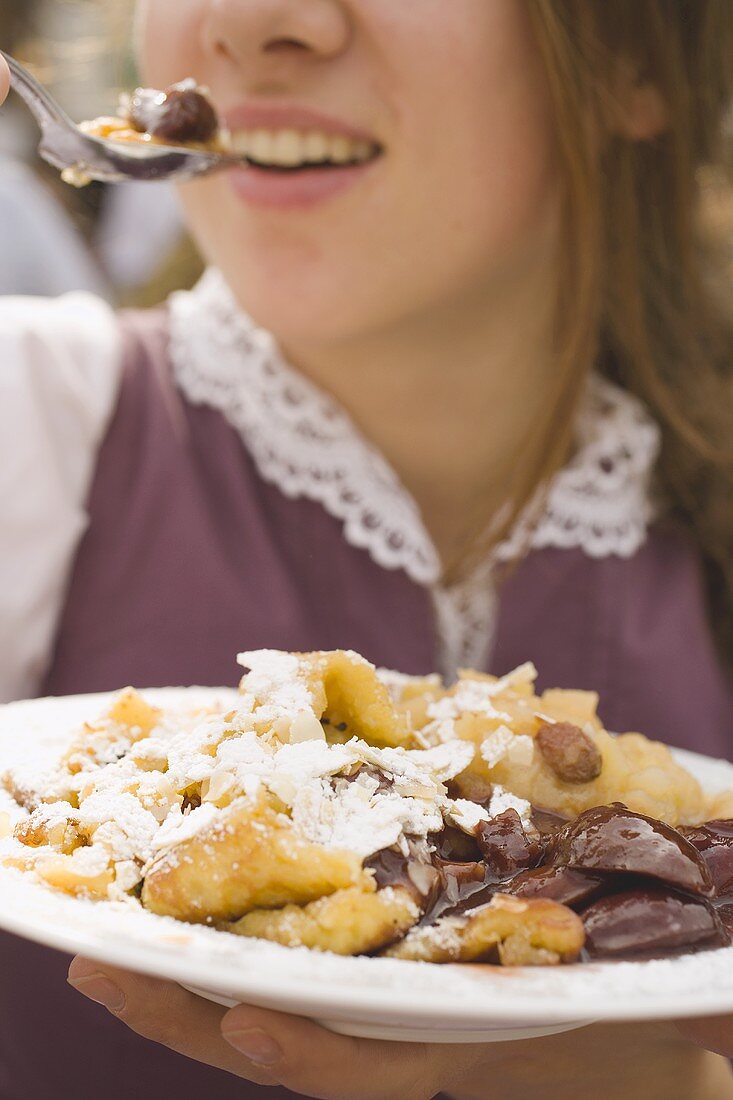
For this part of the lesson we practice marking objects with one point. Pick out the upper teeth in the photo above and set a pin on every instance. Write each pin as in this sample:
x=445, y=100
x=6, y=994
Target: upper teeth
x=290, y=148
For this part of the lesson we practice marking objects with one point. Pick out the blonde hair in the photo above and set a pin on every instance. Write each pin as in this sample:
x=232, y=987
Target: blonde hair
x=647, y=289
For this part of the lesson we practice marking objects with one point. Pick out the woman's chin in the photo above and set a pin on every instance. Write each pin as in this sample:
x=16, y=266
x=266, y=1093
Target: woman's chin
x=302, y=313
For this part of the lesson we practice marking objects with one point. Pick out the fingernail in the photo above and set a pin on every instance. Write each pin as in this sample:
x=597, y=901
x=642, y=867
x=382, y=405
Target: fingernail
x=256, y=1045
x=101, y=990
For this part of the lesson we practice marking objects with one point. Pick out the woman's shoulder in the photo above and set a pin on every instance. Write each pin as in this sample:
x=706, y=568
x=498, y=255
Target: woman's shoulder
x=60, y=368
x=68, y=363
x=69, y=347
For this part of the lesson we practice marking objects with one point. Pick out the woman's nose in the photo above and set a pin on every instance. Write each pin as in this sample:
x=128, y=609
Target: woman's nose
x=245, y=31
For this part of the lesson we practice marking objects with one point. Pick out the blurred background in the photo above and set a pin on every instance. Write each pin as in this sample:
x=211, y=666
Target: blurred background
x=127, y=242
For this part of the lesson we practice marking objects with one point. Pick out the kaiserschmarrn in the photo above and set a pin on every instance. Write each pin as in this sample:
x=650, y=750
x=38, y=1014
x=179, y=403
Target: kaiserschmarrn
x=348, y=809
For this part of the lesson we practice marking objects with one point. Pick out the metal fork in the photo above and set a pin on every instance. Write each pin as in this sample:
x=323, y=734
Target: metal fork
x=87, y=158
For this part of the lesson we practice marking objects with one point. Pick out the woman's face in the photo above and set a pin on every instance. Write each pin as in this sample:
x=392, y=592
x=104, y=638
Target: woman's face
x=447, y=101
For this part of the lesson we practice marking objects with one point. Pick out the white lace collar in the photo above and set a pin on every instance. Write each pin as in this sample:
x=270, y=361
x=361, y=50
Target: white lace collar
x=304, y=442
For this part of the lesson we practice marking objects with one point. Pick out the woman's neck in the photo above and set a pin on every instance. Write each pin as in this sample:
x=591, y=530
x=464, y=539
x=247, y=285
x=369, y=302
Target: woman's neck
x=451, y=401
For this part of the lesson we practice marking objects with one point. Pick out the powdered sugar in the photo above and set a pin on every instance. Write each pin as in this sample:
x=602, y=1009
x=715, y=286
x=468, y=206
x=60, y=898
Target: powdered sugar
x=166, y=788
x=466, y=815
x=468, y=697
x=179, y=827
x=277, y=678
x=397, y=682
x=120, y=824
x=495, y=746
x=502, y=742
x=502, y=800
x=358, y=817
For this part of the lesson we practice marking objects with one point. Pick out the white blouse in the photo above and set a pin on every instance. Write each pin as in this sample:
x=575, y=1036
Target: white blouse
x=60, y=364
x=59, y=371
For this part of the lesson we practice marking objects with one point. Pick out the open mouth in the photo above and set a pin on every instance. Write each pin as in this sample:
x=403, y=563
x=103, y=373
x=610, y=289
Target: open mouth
x=290, y=151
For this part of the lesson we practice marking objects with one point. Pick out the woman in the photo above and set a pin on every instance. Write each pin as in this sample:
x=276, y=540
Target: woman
x=495, y=255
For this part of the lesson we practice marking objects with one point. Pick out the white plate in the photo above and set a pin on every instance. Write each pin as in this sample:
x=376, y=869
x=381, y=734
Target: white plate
x=379, y=998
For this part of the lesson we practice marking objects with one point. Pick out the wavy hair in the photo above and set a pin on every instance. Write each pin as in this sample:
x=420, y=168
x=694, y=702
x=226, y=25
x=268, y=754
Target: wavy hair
x=647, y=290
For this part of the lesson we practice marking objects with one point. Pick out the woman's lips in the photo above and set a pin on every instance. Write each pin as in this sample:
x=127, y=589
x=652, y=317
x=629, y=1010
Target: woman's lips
x=293, y=189
x=273, y=116
x=294, y=156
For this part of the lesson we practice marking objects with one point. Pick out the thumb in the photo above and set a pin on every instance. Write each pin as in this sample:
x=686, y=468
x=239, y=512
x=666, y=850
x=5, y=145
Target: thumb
x=713, y=1033
x=4, y=79
x=314, y=1062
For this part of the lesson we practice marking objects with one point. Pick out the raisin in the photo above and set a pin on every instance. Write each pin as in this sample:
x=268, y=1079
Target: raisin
x=572, y=754
x=180, y=114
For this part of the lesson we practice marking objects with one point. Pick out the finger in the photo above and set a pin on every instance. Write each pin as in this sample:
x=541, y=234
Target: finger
x=713, y=1033
x=4, y=79
x=315, y=1062
x=165, y=1013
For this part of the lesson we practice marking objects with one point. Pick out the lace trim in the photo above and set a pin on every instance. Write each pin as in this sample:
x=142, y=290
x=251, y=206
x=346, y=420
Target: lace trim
x=305, y=443
x=299, y=438
x=601, y=502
